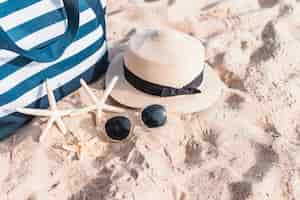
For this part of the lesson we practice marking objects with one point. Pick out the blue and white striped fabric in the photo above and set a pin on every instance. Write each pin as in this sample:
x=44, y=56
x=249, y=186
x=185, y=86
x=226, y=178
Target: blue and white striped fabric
x=34, y=24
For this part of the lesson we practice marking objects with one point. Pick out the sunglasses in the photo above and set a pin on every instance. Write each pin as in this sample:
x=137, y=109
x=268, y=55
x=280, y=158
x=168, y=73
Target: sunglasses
x=119, y=128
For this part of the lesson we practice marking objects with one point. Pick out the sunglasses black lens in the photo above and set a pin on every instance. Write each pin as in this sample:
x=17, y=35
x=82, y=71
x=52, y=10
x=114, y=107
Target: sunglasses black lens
x=154, y=116
x=118, y=128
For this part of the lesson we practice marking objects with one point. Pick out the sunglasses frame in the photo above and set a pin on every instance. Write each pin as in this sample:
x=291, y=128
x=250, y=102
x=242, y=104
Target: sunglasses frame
x=138, y=116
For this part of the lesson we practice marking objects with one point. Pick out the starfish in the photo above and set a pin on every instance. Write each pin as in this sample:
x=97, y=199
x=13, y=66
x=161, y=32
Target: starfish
x=78, y=146
x=99, y=105
x=53, y=114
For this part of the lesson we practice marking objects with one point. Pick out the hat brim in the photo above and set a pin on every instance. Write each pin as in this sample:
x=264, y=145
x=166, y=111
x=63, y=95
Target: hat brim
x=126, y=94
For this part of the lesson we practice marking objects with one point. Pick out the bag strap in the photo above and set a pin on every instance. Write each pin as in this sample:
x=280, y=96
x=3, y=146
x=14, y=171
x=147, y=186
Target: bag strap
x=55, y=49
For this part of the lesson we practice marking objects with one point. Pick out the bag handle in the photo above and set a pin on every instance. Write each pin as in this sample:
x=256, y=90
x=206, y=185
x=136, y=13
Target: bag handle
x=55, y=49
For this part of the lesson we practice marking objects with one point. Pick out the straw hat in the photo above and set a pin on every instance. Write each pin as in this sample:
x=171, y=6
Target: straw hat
x=164, y=66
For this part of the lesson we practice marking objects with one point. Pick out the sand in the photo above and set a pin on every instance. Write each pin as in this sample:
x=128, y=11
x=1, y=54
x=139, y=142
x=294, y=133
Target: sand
x=245, y=147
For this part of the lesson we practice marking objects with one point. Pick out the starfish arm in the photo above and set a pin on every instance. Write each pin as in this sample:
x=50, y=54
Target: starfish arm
x=66, y=112
x=83, y=110
x=71, y=148
x=51, y=97
x=46, y=130
x=98, y=117
x=80, y=155
x=60, y=124
x=34, y=112
x=89, y=91
x=113, y=109
x=109, y=89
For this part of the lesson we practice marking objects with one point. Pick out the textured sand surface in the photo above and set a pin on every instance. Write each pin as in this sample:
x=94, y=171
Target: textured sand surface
x=246, y=147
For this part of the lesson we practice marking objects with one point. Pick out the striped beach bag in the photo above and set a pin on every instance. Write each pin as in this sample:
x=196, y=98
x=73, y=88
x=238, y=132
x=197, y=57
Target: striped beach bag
x=62, y=41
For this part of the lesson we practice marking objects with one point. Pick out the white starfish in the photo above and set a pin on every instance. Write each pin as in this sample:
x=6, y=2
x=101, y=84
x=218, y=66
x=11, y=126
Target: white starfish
x=53, y=114
x=99, y=106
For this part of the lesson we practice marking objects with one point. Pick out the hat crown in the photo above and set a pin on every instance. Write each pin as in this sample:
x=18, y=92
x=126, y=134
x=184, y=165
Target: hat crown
x=165, y=57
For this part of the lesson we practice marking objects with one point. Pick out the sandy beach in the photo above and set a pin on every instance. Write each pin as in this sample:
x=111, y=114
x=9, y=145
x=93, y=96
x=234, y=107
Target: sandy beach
x=245, y=147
